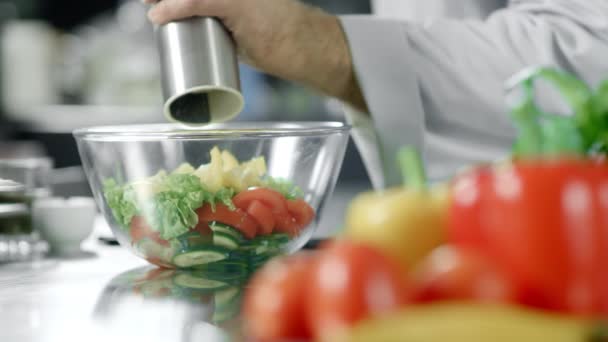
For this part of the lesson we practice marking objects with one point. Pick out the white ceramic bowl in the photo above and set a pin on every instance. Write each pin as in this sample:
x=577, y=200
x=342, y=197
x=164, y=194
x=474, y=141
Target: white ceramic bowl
x=64, y=223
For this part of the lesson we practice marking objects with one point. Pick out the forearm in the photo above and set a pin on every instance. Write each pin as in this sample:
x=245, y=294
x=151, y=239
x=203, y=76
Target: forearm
x=321, y=58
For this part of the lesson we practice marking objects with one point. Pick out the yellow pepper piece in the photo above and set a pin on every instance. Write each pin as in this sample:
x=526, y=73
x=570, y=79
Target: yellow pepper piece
x=405, y=223
x=467, y=322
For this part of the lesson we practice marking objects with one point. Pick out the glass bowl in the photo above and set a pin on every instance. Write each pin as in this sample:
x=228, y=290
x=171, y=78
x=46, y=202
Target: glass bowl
x=240, y=193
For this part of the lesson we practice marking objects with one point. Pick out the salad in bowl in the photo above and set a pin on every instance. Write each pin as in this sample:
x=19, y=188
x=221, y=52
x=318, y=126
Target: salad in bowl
x=227, y=193
x=194, y=216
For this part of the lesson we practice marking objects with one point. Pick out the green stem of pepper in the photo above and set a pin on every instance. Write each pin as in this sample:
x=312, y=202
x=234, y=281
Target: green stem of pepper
x=525, y=118
x=550, y=135
x=412, y=168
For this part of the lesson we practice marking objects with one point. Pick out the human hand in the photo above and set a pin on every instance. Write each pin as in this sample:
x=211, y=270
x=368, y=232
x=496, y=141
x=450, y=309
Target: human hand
x=284, y=38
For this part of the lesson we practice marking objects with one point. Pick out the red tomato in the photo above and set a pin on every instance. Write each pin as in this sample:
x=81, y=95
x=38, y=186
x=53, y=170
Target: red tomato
x=274, y=303
x=350, y=282
x=289, y=216
x=140, y=229
x=270, y=198
x=234, y=218
x=302, y=213
x=263, y=215
x=544, y=223
x=287, y=224
x=202, y=228
x=452, y=273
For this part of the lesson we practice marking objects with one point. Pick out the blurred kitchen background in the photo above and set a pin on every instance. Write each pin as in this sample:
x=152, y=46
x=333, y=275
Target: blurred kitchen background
x=66, y=64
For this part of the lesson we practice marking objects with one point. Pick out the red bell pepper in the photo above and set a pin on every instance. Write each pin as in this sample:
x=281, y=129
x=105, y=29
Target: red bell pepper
x=545, y=223
x=543, y=218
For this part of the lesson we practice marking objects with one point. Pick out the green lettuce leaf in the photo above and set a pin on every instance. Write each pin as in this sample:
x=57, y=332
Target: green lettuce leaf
x=171, y=211
x=123, y=209
x=224, y=196
x=285, y=187
x=168, y=203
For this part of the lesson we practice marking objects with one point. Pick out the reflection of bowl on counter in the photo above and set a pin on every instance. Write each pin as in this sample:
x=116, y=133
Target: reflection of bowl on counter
x=186, y=197
x=207, y=295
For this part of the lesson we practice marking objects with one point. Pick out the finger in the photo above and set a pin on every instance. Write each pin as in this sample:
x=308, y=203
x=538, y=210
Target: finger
x=149, y=2
x=169, y=10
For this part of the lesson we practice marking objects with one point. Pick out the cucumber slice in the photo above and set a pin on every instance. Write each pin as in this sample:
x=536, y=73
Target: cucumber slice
x=229, y=266
x=225, y=240
x=261, y=259
x=192, y=240
x=271, y=250
x=257, y=261
x=261, y=249
x=227, y=304
x=226, y=297
x=152, y=249
x=200, y=256
x=220, y=227
x=232, y=278
x=275, y=240
x=156, y=288
x=234, y=273
x=221, y=316
x=188, y=280
x=192, y=295
x=279, y=238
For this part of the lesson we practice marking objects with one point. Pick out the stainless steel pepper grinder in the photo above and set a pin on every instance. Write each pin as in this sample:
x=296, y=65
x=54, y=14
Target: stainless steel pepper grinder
x=199, y=71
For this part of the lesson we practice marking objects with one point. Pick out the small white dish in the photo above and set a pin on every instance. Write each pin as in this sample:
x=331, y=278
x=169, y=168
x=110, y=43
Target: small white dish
x=64, y=223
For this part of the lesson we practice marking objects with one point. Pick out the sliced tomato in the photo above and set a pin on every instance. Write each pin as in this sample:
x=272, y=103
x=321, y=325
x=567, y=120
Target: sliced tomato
x=286, y=224
x=263, y=216
x=302, y=213
x=235, y=218
x=270, y=198
x=202, y=227
x=140, y=229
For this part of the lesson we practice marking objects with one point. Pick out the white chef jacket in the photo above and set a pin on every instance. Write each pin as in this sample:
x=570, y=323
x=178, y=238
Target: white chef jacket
x=437, y=82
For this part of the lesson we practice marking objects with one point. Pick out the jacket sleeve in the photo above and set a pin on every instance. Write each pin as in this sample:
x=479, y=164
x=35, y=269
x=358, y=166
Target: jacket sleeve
x=439, y=85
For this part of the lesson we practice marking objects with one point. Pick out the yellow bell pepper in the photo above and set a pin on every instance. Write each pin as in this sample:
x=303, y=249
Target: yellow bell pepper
x=468, y=322
x=406, y=222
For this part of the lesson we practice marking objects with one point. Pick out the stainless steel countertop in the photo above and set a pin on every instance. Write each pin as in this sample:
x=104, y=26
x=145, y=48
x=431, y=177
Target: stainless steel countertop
x=94, y=296
x=56, y=297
